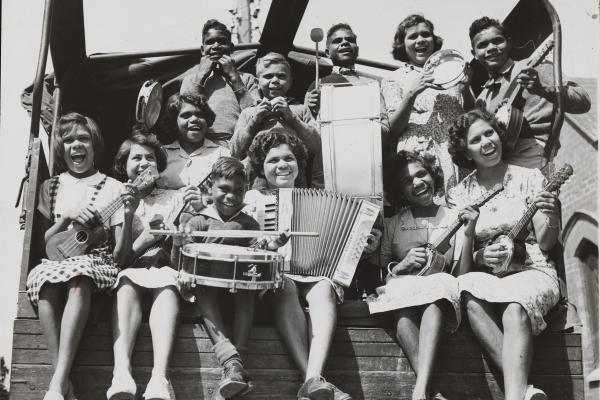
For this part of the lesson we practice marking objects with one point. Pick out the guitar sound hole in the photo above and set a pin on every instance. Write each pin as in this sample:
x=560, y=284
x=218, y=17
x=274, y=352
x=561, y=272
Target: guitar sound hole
x=81, y=237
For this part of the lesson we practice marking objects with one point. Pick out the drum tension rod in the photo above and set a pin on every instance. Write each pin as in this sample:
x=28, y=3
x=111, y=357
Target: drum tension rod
x=233, y=289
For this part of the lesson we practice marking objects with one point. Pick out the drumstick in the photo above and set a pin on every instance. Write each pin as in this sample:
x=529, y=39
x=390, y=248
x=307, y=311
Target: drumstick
x=316, y=35
x=229, y=233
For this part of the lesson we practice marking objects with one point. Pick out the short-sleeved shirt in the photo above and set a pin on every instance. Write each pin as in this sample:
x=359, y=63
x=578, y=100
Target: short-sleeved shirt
x=76, y=192
x=221, y=99
x=185, y=169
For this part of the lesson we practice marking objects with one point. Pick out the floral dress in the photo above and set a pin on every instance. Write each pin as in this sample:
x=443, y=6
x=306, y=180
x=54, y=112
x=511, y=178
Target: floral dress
x=536, y=289
x=401, y=233
x=432, y=113
x=153, y=268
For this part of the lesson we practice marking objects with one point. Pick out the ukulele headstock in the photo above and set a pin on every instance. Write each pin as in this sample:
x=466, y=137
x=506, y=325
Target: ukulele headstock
x=144, y=181
x=559, y=178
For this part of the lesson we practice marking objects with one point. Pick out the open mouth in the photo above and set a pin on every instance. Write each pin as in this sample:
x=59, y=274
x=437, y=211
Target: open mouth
x=420, y=190
x=283, y=174
x=421, y=50
x=488, y=150
x=78, y=158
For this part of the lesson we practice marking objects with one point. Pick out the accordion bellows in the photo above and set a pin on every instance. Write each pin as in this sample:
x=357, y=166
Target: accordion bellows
x=343, y=223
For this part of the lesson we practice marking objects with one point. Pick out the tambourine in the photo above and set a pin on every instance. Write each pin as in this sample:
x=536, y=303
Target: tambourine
x=148, y=104
x=448, y=68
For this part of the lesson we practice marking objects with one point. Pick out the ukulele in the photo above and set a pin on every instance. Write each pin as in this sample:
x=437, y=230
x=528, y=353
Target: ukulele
x=514, y=241
x=79, y=239
x=510, y=111
x=436, y=261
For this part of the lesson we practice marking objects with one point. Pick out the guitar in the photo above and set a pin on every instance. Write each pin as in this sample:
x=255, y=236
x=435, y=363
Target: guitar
x=436, y=261
x=514, y=241
x=510, y=111
x=79, y=239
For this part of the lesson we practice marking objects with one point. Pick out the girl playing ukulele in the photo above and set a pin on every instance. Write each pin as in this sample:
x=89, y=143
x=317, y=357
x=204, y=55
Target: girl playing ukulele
x=62, y=290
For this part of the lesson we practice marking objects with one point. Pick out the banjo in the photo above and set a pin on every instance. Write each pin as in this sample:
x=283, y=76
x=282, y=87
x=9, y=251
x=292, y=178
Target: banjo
x=514, y=241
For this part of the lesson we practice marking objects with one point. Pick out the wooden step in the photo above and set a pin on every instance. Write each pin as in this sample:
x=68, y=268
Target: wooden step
x=365, y=361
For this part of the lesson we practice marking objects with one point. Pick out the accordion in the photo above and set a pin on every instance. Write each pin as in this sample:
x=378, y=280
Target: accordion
x=343, y=223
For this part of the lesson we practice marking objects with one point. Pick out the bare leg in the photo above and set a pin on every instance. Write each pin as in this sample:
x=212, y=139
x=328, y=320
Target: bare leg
x=485, y=327
x=291, y=324
x=323, y=314
x=163, y=325
x=244, y=316
x=74, y=318
x=126, y=320
x=207, y=304
x=50, y=306
x=429, y=339
x=517, y=351
x=407, y=335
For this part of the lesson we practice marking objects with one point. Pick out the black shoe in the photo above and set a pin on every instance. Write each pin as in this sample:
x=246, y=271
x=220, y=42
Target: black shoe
x=235, y=381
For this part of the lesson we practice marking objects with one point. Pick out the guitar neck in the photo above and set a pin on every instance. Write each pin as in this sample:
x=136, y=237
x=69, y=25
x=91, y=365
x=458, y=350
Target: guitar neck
x=442, y=244
x=110, y=209
x=525, y=219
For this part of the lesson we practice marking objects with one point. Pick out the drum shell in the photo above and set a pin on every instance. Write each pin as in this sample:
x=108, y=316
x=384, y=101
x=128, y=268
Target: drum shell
x=252, y=271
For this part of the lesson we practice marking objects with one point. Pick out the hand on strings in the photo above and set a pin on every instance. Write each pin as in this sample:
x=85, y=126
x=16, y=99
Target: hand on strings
x=494, y=255
x=130, y=202
x=416, y=258
x=88, y=216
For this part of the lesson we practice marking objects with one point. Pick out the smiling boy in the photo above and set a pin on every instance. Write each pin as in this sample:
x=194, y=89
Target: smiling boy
x=491, y=45
x=277, y=110
x=229, y=91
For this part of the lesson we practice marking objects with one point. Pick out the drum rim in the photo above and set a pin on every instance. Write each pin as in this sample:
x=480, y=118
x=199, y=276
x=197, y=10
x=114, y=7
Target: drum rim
x=226, y=283
x=149, y=99
x=256, y=255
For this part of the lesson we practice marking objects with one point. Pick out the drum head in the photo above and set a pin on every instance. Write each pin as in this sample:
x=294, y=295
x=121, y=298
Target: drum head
x=149, y=103
x=447, y=66
x=223, y=252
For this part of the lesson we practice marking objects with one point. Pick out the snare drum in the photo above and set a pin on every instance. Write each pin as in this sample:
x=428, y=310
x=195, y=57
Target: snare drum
x=232, y=267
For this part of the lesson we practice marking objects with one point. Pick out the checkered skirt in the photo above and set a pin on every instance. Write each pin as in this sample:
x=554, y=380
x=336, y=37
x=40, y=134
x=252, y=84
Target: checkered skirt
x=98, y=265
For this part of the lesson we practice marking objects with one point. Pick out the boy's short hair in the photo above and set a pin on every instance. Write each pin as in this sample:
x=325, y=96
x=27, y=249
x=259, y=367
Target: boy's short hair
x=173, y=106
x=339, y=26
x=228, y=168
x=66, y=124
x=139, y=135
x=398, y=49
x=216, y=25
x=269, y=59
x=484, y=23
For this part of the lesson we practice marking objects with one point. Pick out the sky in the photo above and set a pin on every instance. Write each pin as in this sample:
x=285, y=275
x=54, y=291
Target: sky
x=108, y=30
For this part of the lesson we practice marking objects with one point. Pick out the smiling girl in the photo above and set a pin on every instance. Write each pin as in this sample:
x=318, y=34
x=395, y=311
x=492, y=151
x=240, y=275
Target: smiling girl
x=423, y=305
x=505, y=313
x=419, y=111
x=62, y=290
x=148, y=272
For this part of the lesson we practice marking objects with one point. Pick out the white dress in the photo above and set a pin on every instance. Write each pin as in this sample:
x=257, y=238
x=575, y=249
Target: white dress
x=403, y=232
x=153, y=268
x=537, y=289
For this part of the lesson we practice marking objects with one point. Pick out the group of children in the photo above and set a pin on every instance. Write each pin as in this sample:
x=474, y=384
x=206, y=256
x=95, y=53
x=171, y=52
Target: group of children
x=222, y=116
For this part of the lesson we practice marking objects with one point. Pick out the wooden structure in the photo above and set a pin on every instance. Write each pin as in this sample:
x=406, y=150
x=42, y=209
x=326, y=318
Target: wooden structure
x=365, y=359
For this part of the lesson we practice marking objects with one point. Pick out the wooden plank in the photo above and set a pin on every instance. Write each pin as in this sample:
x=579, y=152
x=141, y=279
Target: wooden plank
x=29, y=382
x=342, y=334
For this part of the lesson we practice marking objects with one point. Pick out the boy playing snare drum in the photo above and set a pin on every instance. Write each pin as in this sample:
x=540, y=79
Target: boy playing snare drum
x=225, y=213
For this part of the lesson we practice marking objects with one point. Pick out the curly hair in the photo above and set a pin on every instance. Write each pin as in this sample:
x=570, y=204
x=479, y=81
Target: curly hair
x=459, y=130
x=339, y=26
x=66, y=124
x=400, y=160
x=217, y=26
x=139, y=135
x=484, y=23
x=398, y=48
x=168, y=123
x=274, y=137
